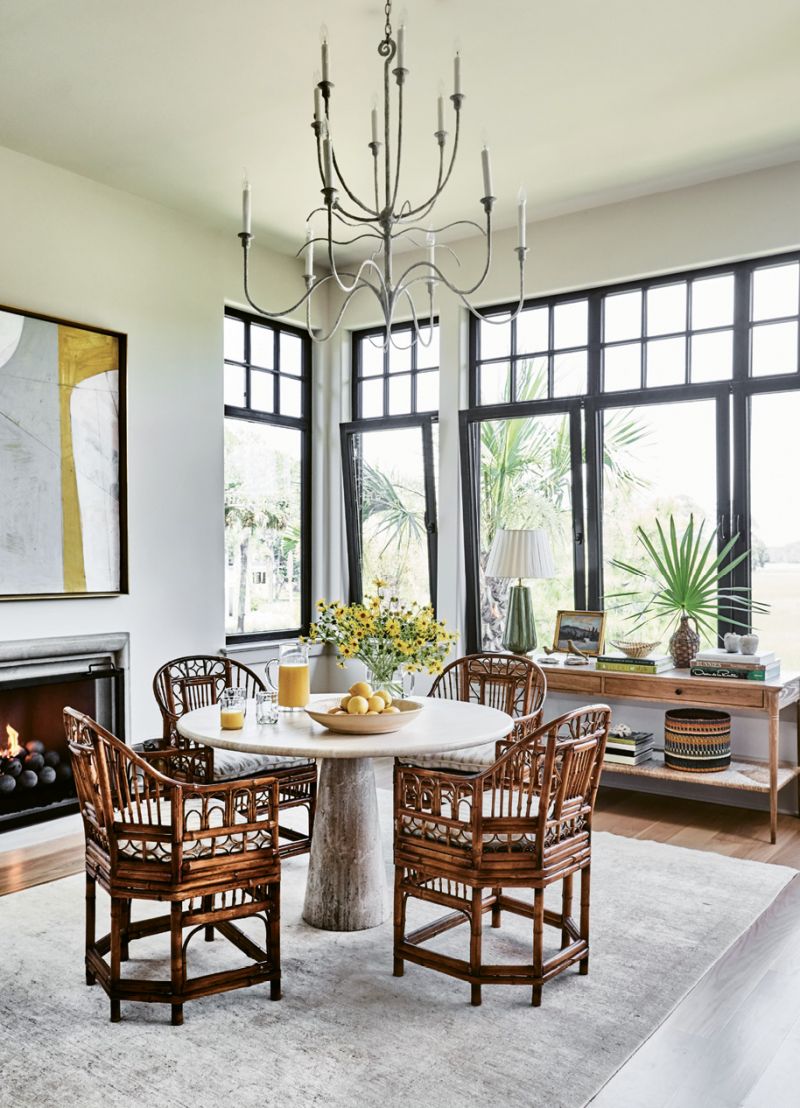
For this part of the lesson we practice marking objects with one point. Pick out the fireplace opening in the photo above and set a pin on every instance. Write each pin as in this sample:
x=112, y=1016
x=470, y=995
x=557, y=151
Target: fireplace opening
x=35, y=771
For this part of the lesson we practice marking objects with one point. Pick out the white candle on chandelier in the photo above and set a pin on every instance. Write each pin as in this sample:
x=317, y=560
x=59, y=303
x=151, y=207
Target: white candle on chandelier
x=487, y=172
x=522, y=203
x=401, y=46
x=440, y=114
x=325, y=58
x=457, y=74
x=374, y=122
x=317, y=104
x=327, y=162
x=431, y=238
x=309, y=251
x=246, y=216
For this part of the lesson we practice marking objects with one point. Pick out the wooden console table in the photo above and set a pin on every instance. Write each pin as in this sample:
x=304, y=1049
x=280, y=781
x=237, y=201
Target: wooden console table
x=677, y=686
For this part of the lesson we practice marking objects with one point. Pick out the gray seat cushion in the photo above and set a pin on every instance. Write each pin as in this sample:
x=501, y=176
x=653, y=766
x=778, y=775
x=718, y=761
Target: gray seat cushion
x=474, y=758
x=229, y=764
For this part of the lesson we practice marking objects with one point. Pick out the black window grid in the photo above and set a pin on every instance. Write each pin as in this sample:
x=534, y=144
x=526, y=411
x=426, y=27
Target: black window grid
x=385, y=377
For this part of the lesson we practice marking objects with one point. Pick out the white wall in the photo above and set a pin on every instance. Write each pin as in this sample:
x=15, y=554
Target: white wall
x=75, y=249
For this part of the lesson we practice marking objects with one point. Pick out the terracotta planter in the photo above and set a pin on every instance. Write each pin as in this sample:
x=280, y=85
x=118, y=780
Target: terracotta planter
x=684, y=644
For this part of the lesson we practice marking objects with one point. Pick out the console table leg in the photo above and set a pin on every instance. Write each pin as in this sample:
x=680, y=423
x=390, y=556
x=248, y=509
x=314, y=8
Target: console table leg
x=774, y=733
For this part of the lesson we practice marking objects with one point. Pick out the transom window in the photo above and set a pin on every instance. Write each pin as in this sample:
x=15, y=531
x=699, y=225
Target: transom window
x=400, y=380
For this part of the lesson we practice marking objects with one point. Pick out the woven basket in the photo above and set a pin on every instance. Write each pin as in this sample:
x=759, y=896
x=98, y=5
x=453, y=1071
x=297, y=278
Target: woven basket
x=635, y=649
x=697, y=740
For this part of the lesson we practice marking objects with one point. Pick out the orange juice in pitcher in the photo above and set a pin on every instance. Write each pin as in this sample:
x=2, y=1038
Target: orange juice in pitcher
x=292, y=685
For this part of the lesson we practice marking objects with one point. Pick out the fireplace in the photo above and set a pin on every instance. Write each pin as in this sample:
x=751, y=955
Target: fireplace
x=38, y=679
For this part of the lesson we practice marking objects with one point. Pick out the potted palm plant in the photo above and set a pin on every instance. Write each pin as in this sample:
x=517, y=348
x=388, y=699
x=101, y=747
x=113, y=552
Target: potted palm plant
x=681, y=582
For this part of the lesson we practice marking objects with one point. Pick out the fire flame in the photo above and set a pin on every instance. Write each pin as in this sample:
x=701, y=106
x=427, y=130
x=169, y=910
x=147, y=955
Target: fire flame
x=13, y=747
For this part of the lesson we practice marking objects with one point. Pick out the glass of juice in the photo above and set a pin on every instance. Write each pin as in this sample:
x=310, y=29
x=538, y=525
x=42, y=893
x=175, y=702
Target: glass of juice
x=292, y=682
x=232, y=709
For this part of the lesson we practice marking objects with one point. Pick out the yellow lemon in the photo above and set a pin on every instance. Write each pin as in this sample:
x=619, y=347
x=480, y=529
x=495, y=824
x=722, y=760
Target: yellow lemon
x=336, y=711
x=376, y=704
x=385, y=697
x=361, y=688
x=357, y=706
x=393, y=710
x=344, y=702
x=371, y=712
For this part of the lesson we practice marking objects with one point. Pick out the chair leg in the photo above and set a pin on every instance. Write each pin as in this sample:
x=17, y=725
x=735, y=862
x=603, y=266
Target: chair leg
x=475, y=937
x=566, y=909
x=125, y=924
x=399, y=920
x=275, y=940
x=208, y=904
x=115, y=956
x=91, y=911
x=176, y=959
x=583, y=965
x=496, y=913
x=538, y=940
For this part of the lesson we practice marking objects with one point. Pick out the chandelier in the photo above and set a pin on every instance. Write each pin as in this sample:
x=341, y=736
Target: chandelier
x=383, y=222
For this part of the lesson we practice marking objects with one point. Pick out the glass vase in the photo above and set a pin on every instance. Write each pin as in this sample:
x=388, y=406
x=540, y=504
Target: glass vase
x=396, y=680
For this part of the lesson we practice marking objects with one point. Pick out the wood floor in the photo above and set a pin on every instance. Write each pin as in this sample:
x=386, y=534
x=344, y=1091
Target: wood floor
x=734, y=1041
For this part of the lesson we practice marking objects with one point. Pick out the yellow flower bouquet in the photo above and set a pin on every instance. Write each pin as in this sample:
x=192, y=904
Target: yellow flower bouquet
x=386, y=635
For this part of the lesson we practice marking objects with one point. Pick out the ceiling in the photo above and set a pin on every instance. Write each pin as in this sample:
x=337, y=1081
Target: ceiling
x=582, y=102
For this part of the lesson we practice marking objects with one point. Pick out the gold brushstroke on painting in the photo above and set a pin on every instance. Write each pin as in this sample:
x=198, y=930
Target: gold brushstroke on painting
x=81, y=355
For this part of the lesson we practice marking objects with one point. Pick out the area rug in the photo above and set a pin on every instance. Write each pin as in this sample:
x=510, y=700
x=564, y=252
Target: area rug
x=347, y=1033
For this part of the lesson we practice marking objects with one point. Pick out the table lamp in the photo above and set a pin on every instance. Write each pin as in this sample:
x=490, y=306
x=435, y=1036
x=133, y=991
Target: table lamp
x=520, y=554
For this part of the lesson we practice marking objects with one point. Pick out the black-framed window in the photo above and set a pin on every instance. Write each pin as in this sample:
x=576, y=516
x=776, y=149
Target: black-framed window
x=389, y=454
x=679, y=395
x=267, y=389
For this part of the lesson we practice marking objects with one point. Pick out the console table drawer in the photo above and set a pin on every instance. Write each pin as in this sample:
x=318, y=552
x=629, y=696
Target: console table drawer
x=732, y=694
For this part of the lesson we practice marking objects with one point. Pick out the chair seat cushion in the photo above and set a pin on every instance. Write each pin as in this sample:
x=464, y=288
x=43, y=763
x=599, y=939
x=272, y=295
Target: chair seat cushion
x=231, y=764
x=467, y=758
x=431, y=830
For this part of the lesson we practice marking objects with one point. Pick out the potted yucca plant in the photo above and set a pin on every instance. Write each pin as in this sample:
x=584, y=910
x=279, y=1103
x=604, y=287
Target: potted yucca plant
x=681, y=582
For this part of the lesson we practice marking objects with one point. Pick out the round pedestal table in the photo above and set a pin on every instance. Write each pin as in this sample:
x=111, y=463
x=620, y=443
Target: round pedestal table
x=346, y=889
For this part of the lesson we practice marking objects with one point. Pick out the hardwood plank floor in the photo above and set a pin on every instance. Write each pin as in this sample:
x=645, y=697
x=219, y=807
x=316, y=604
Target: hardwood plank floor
x=734, y=1041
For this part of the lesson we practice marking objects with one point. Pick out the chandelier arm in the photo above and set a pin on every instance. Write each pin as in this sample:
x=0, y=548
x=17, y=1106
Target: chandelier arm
x=434, y=269
x=415, y=318
x=252, y=303
x=368, y=263
x=479, y=312
x=341, y=212
x=423, y=209
x=373, y=213
x=315, y=337
x=400, y=85
x=338, y=242
x=439, y=230
x=440, y=184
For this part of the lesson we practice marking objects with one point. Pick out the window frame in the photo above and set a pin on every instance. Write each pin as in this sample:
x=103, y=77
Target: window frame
x=357, y=379
x=300, y=423
x=732, y=424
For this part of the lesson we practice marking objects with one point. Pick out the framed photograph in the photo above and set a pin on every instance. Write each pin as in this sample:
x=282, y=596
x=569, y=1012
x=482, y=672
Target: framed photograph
x=586, y=630
x=62, y=458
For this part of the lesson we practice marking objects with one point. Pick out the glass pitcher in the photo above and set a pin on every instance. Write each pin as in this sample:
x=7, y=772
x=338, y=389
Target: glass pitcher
x=292, y=684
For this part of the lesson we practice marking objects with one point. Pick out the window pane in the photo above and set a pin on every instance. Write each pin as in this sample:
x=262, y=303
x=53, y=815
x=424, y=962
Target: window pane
x=495, y=379
x=262, y=527
x=666, y=309
x=569, y=374
x=262, y=346
x=622, y=316
x=531, y=378
x=234, y=338
x=495, y=340
x=428, y=356
x=532, y=330
x=666, y=362
x=262, y=391
x=775, y=532
x=371, y=356
x=775, y=291
x=400, y=356
x=391, y=499
x=712, y=302
x=649, y=474
x=400, y=395
x=712, y=356
x=622, y=367
x=525, y=481
x=774, y=349
x=428, y=391
x=570, y=324
x=235, y=385
x=291, y=396
x=372, y=399
x=291, y=353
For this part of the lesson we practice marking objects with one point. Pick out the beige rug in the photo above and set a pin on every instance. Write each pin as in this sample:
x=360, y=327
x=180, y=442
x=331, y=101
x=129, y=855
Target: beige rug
x=349, y=1034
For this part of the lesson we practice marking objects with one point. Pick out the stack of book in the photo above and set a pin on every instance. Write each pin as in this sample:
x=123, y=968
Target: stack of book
x=629, y=750
x=621, y=663
x=737, y=667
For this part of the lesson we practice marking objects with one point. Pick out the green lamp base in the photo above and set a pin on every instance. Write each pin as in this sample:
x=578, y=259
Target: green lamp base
x=519, y=636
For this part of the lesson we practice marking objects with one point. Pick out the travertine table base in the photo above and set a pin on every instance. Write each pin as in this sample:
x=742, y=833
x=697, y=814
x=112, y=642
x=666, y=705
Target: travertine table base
x=346, y=889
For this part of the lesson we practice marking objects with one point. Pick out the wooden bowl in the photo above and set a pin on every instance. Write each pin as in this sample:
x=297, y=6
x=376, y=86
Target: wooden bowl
x=635, y=649
x=384, y=724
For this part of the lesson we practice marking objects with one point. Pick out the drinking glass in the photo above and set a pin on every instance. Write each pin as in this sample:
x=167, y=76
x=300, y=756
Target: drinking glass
x=232, y=709
x=292, y=683
x=266, y=707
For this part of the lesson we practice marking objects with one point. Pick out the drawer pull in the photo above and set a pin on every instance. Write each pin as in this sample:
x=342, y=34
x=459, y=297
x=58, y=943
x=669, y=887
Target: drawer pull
x=679, y=692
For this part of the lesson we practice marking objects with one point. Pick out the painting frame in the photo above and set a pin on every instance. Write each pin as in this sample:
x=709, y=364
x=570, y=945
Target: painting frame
x=116, y=538
x=582, y=621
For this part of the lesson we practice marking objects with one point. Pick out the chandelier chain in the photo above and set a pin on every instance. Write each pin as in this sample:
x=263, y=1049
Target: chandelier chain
x=388, y=28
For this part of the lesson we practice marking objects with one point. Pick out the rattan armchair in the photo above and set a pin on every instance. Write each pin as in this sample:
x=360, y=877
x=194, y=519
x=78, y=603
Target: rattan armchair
x=525, y=822
x=509, y=682
x=196, y=681
x=210, y=851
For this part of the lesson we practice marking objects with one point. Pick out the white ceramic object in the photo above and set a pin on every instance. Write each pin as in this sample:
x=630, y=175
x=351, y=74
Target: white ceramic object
x=384, y=724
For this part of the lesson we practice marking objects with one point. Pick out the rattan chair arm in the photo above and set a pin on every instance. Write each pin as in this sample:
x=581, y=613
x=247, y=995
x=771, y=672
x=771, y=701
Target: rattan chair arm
x=523, y=726
x=197, y=763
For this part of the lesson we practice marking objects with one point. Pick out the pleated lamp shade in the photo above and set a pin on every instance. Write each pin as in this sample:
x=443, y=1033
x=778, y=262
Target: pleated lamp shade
x=524, y=554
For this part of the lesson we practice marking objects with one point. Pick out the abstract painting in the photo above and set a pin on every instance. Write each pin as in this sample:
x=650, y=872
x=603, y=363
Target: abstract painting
x=62, y=458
